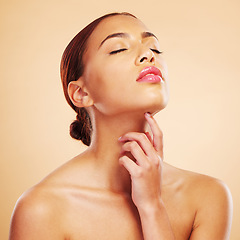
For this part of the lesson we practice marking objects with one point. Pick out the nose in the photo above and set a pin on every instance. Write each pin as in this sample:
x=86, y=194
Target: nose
x=145, y=55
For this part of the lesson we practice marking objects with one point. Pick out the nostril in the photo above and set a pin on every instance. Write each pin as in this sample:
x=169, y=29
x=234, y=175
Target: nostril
x=142, y=59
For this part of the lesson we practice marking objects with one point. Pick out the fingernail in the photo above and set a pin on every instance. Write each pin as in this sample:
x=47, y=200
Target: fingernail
x=148, y=115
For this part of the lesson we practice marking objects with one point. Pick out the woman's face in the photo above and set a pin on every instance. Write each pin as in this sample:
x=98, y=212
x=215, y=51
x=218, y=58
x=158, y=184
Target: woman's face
x=118, y=50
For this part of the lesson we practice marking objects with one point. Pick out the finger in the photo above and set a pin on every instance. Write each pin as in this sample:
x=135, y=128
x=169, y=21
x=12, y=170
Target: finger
x=149, y=136
x=131, y=166
x=157, y=133
x=137, y=152
x=142, y=140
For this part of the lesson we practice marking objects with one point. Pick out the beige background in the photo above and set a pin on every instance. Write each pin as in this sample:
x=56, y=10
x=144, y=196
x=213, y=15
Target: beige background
x=201, y=43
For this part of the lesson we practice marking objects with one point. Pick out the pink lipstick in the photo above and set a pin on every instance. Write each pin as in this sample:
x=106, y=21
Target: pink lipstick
x=151, y=75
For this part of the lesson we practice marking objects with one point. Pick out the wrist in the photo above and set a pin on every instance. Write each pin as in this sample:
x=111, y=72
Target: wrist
x=155, y=221
x=151, y=209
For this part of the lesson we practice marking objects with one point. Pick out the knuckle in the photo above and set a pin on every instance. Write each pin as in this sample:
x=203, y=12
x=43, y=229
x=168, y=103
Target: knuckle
x=142, y=137
x=156, y=163
x=159, y=134
x=122, y=159
x=158, y=159
x=148, y=167
x=139, y=173
x=133, y=145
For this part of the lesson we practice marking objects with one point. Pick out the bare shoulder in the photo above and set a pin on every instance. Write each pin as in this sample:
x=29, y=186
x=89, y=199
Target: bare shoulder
x=206, y=189
x=32, y=202
x=212, y=202
x=41, y=212
x=201, y=186
x=34, y=216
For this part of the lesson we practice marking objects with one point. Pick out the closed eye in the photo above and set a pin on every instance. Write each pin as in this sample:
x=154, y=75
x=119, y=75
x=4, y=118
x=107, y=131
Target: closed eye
x=155, y=50
x=118, y=51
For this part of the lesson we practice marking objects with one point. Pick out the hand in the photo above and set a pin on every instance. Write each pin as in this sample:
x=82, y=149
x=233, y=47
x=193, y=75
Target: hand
x=146, y=167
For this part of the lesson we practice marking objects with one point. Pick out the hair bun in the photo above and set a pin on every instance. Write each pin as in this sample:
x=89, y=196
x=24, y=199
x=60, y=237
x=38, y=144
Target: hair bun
x=80, y=129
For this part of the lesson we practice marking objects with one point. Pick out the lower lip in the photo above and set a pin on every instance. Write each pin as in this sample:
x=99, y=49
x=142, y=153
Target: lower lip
x=151, y=78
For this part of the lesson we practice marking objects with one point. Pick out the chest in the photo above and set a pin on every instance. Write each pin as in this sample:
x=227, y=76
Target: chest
x=103, y=220
x=111, y=219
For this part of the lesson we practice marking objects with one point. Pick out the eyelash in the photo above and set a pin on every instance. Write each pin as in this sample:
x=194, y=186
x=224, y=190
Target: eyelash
x=155, y=50
x=124, y=49
x=118, y=51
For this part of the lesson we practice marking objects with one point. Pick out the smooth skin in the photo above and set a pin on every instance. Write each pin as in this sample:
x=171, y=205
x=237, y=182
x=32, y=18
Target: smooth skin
x=120, y=187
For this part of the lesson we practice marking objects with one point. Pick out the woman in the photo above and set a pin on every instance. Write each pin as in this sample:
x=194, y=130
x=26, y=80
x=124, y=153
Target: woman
x=115, y=78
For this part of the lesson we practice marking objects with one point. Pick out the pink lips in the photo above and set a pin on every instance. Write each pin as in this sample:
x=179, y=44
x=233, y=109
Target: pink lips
x=151, y=75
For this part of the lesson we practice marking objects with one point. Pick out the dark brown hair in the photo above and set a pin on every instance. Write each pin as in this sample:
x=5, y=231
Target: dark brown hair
x=72, y=69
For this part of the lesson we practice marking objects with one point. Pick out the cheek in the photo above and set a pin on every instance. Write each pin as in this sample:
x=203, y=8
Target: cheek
x=163, y=67
x=109, y=80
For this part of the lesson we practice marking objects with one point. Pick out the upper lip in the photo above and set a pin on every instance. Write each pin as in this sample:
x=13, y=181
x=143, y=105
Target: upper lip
x=149, y=70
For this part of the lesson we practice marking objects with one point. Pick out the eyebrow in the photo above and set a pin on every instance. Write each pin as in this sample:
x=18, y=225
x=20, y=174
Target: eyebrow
x=126, y=35
x=148, y=34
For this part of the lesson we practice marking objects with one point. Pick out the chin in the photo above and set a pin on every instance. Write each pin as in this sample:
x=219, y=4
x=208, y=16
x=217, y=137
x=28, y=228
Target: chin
x=155, y=109
x=157, y=104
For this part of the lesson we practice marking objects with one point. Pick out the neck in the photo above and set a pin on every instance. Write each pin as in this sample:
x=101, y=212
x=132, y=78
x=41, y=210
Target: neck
x=105, y=147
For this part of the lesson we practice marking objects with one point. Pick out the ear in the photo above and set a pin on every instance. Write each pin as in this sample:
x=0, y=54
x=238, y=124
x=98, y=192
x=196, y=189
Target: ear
x=79, y=94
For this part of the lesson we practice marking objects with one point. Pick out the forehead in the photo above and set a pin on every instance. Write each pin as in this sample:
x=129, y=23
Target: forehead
x=116, y=24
